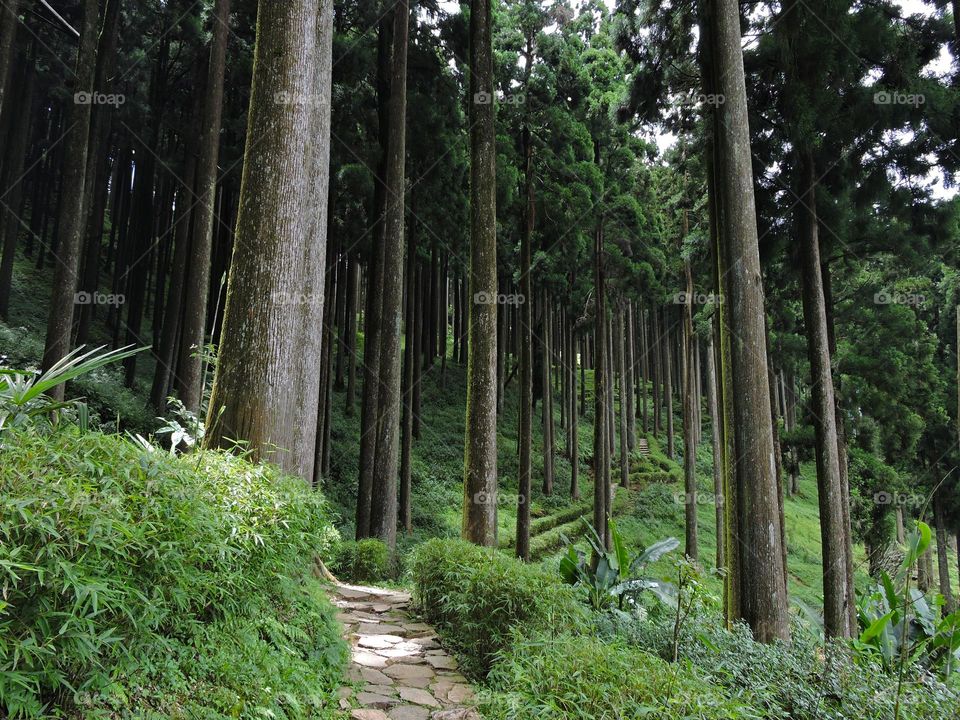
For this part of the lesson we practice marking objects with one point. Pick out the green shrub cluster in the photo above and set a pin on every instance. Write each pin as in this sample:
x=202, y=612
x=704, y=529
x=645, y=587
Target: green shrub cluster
x=580, y=677
x=137, y=584
x=366, y=560
x=476, y=596
x=800, y=680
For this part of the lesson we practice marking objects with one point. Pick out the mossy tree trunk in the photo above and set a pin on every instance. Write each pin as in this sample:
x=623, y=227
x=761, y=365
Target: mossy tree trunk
x=383, y=517
x=267, y=379
x=480, y=457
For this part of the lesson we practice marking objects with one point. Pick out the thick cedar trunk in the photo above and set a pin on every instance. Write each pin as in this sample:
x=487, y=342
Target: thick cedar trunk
x=758, y=576
x=189, y=367
x=383, y=515
x=71, y=211
x=480, y=458
x=824, y=419
x=525, y=440
x=689, y=439
x=715, y=423
x=269, y=361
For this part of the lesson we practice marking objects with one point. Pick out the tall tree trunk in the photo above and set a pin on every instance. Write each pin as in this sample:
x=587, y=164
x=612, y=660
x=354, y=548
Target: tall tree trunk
x=619, y=352
x=666, y=341
x=9, y=23
x=574, y=451
x=689, y=440
x=350, y=332
x=547, y=407
x=759, y=572
x=13, y=183
x=71, y=212
x=383, y=517
x=525, y=441
x=480, y=458
x=372, y=314
x=269, y=360
x=601, y=465
x=715, y=424
x=198, y=270
x=409, y=350
x=824, y=419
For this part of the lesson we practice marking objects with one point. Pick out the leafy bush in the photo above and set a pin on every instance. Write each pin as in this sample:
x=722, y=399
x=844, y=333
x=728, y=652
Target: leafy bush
x=365, y=560
x=137, y=583
x=476, y=596
x=800, y=680
x=581, y=677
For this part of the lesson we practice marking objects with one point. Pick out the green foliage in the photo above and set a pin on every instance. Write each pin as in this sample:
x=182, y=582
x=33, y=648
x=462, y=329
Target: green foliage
x=140, y=584
x=899, y=626
x=611, y=576
x=476, y=596
x=579, y=677
x=110, y=403
x=365, y=560
x=23, y=397
x=799, y=680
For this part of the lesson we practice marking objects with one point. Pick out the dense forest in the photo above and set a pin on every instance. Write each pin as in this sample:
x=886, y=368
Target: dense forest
x=506, y=359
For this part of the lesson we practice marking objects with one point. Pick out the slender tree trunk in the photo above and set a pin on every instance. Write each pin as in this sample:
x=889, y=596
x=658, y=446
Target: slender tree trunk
x=71, y=211
x=198, y=271
x=9, y=23
x=480, y=459
x=715, y=423
x=525, y=441
x=547, y=406
x=409, y=350
x=667, y=339
x=383, y=517
x=574, y=451
x=372, y=315
x=601, y=466
x=350, y=332
x=619, y=352
x=689, y=439
x=13, y=183
x=269, y=360
x=824, y=418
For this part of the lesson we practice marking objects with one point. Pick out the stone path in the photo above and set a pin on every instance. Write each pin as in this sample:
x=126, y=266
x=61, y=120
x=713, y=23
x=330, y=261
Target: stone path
x=400, y=668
